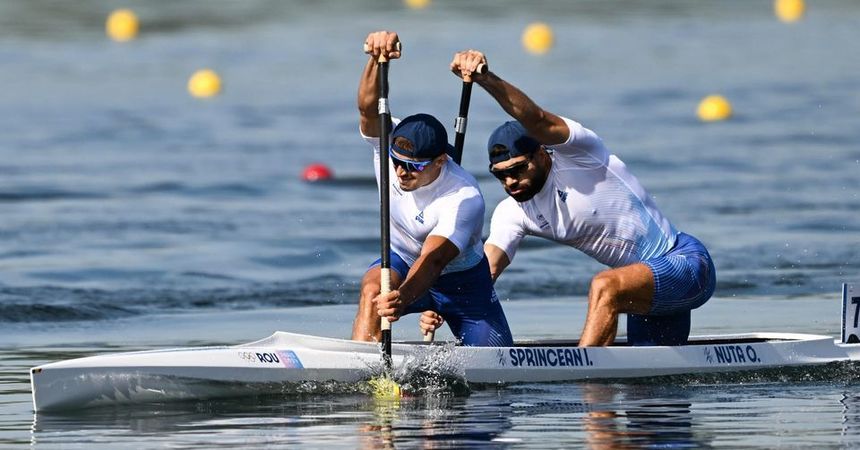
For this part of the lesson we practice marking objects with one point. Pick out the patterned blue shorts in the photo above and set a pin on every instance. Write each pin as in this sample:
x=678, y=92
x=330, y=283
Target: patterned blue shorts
x=684, y=279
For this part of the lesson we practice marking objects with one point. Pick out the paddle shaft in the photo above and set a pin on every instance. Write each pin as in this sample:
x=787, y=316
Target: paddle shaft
x=384, y=204
x=460, y=136
x=463, y=114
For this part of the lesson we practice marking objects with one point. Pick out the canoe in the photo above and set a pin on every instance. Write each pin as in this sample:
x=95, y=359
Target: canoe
x=272, y=364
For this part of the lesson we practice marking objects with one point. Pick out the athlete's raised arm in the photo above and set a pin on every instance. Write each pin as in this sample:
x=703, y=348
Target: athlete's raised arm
x=546, y=127
x=375, y=44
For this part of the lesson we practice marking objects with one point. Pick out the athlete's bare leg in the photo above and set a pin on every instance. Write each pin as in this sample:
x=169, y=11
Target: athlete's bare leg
x=366, y=326
x=628, y=289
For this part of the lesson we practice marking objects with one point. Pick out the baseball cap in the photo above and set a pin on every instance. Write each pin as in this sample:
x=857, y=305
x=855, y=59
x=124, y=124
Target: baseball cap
x=513, y=138
x=427, y=135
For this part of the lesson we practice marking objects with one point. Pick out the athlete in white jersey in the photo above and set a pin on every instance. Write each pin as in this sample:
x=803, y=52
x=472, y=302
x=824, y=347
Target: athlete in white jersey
x=564, y=185
x=437, y=216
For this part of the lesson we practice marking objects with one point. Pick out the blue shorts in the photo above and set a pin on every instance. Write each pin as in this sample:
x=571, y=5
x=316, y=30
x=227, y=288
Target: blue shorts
x=684, y=279
x=467, y=301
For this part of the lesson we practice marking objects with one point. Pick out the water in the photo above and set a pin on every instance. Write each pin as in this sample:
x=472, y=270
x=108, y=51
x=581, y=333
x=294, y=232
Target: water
x=137, y=217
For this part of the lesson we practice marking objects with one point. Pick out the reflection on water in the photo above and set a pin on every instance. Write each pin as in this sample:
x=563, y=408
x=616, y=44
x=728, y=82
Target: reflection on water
x=612, y=416
x=347, y=421
x=851, y=415
x=577, y=415
x=653, y=417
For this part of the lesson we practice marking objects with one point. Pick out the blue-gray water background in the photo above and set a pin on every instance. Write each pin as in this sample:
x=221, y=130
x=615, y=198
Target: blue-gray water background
x=135, y=216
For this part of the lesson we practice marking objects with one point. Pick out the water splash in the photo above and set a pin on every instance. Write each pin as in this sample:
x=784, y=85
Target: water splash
x=428, y=371
x=435, y=370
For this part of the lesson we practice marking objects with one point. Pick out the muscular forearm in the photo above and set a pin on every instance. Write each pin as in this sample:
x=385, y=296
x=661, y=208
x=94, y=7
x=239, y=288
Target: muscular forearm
x=368, y=99
x=421, y=277
x=436, y=253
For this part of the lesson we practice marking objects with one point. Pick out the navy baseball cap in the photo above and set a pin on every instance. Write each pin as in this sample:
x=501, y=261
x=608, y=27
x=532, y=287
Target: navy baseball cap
x=513, y=140
x=427, y=135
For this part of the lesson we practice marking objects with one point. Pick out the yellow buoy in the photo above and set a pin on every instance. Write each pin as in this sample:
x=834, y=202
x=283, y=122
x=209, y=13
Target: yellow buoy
x=537, y=38
x=122, y=25
x=204, y=83
x=789, y=11
x=713, y=108
x=417, y=4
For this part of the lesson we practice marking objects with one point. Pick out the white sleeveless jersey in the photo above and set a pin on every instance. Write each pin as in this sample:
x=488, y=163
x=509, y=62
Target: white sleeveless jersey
x=591, y=202
x=452, y=207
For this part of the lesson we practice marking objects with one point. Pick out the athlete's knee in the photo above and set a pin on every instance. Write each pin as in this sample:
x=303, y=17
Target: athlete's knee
x=604, y=290
x=369, y=290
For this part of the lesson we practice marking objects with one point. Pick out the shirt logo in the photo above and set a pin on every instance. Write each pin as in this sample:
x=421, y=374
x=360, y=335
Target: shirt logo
x=542, y=222
x=420, y=217
x=562, y=195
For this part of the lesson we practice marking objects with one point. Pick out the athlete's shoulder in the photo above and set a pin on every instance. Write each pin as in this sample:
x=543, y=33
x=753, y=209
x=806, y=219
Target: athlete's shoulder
x=509, y=209
x=457, y=171
x=459, y=181
x=579, y=133
x=373, y=141
x=583, y=146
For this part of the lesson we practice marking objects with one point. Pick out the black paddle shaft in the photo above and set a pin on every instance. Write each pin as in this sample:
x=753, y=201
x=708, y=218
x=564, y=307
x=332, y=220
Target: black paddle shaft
x=384, y=179
x=384, y=204
x=460, y=122
x=462, y=116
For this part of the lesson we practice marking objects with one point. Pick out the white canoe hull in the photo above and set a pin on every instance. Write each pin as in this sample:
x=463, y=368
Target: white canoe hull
x=272, y=363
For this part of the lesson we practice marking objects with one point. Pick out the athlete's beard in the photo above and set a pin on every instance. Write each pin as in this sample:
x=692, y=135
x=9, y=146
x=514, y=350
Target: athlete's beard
x=536, y=182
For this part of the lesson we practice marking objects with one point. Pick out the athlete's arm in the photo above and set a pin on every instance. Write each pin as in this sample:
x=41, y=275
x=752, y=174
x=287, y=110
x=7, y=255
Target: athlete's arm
x=498, y=259
x=436, y=253
x=546, y=127
x=376, y=43
x=507, y=230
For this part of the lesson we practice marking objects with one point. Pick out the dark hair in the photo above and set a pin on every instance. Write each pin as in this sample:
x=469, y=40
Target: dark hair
x=405, y=144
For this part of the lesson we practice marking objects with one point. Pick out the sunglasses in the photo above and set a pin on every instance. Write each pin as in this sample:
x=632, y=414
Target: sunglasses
x=514, y=171
x=408, y=165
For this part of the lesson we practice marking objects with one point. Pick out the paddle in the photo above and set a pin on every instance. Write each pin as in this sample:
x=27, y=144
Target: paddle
x=460, y=136
x=386, y=386
x=384, y=204
x=460, y=122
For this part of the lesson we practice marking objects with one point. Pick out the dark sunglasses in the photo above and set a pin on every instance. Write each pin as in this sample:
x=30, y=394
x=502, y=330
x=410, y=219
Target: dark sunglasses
x=514, y=171
x=408, y=165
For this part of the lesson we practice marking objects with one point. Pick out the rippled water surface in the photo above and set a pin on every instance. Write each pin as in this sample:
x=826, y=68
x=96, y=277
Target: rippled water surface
x=134, y=216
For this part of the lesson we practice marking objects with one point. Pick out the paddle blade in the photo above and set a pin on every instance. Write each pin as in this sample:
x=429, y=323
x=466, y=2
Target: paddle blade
x=385, y=388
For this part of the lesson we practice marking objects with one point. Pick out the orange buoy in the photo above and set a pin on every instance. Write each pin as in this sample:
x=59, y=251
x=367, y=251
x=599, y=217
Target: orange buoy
x=317, y=172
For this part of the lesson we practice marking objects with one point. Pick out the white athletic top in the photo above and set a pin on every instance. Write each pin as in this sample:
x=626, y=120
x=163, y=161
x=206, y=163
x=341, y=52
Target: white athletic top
x=452, y=206
x=591, y=202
